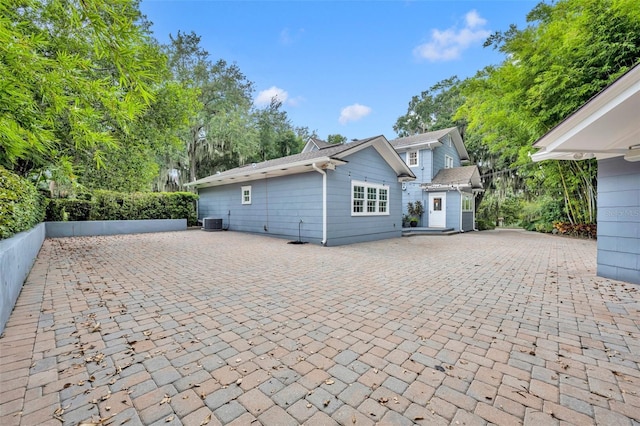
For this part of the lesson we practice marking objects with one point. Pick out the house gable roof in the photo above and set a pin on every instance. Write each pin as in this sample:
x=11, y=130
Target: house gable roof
x=325, y=158
x=605, y=126
x=314, y=144
x=432, y=140
x=461, y=177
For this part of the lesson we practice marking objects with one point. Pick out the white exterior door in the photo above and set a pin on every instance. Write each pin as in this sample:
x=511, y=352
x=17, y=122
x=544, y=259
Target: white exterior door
x=437, y=210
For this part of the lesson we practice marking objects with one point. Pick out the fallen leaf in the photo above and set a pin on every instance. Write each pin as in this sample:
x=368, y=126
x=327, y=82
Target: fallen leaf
x=166, y=399
x=169, y=419
x=238, y=381
x=206, y=420
x=329, y=382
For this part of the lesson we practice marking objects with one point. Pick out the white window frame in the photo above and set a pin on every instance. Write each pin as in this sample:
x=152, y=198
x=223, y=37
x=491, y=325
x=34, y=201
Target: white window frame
x=246, y=198
x=448, y=162
x=467, y=203
x=417, y=163
x=376, y=206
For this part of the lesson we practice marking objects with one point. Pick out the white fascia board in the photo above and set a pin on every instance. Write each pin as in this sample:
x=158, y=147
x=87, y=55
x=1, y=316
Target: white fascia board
x=253, y=174
x=429, y=145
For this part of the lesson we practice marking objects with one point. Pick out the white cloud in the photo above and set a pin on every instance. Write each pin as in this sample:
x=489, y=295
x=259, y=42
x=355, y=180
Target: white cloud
x=287, y=37
x=448, y=44
x=473, y=19
x=353, y=113
x=265, y=96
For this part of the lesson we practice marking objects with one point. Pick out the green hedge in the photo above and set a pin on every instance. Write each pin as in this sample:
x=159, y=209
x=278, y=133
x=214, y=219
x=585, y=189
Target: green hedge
x=110, y=205
x=21, y=206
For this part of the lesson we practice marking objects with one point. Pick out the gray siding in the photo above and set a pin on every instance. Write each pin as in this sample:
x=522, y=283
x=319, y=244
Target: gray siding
x=365, y=165
x=619, y=219
x=467, y=221
x=413, y=191
x=453, y=210
x=277, y=206
x=439, y=154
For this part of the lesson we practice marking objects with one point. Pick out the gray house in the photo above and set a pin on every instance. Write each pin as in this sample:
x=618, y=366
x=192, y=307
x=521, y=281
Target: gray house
x=443, y=185
x=327, y=194
x=607, y=127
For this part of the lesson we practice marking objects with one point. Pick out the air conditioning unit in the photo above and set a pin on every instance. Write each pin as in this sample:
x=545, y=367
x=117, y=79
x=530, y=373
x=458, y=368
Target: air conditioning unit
x=211, y=224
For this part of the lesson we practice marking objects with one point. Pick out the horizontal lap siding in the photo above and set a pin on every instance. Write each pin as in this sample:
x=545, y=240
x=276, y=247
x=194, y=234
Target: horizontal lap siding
x=365, y=165
x=453, y=210
x=277, y=204
x=413, y=191
x=467, y=221
x=619, y=219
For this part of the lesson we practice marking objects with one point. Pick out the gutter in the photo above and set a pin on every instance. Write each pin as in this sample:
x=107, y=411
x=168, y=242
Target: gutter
x=324, y=202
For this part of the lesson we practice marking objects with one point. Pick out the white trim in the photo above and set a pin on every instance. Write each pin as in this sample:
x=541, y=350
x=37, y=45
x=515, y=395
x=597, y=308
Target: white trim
x=448, y=162
x=245, y=199
x=417, y=152
x=324, y=202
x=467, y=197
x=366, y=186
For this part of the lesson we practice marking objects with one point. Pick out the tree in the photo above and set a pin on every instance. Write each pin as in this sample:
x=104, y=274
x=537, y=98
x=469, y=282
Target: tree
x=569, y=51
x=219, y=134
x=433, y=110
x=73, y=76
x=336, y=139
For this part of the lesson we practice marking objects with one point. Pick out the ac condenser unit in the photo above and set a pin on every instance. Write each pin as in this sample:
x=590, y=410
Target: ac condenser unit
x=211, y=224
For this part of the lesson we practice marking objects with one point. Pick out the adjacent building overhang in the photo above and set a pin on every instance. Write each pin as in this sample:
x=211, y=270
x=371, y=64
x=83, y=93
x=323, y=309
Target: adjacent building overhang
x=606, y=126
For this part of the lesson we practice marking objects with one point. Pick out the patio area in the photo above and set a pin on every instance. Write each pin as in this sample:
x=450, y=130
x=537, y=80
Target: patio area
x=195, y=328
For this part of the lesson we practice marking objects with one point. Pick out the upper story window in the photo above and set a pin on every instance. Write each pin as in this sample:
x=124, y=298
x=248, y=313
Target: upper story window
x=412, y=158
x=448, y=162
x=369, y=199
x=246, y=194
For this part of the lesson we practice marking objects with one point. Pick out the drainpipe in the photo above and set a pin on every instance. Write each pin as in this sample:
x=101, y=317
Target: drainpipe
x=324, y=202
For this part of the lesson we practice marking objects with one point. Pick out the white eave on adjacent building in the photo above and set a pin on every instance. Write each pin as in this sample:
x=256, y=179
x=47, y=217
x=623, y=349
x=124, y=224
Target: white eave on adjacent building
x=608, y=125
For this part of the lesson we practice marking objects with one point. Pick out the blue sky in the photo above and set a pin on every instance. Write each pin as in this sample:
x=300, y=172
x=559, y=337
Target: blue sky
x=347, y=67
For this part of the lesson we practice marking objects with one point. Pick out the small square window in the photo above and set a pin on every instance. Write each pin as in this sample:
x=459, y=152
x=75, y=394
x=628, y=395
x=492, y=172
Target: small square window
x=246, y=194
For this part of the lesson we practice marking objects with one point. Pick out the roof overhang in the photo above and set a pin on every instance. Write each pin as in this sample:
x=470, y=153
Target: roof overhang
x=424, y=145
x=606, y=126
x=247, y=174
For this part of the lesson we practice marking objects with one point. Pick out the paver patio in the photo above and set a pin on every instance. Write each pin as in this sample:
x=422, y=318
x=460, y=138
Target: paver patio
x=199, y=328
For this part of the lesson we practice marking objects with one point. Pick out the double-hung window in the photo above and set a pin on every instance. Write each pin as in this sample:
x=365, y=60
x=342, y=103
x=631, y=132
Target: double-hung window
x=412, y=158
x=448, y=162
x=369, y=199
x=246, y=194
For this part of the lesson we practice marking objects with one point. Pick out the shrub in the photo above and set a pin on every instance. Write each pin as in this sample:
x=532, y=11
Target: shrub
x=21, y=205
x=110, y=205
x=584, y=230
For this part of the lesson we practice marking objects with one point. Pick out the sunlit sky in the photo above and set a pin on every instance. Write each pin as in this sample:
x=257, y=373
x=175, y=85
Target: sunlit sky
x=347, y=67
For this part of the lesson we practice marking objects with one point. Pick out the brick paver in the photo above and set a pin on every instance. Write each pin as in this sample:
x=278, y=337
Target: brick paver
x=192, y=328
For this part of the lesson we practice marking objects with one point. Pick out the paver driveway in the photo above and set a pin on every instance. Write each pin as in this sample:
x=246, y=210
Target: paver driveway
x=201, y=328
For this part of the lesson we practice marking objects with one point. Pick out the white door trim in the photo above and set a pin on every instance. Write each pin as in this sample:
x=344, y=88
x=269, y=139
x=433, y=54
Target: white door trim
x=437, y=210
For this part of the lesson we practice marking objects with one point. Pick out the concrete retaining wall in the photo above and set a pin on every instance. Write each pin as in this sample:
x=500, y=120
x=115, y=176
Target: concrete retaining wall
x=113, y=227
x=17, y=255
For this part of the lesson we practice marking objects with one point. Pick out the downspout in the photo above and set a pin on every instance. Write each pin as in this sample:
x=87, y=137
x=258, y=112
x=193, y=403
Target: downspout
x=324, y=203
